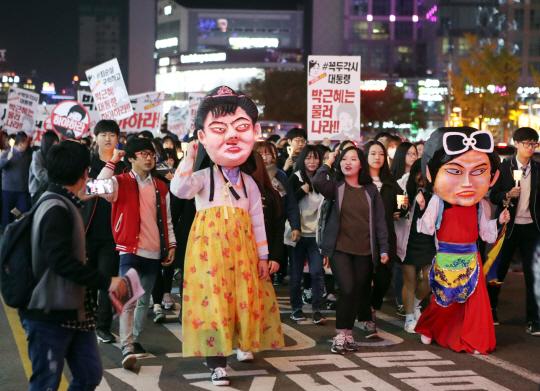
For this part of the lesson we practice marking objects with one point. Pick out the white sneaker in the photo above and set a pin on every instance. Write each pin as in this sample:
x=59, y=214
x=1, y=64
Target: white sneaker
x=417, y=313
x=244, y=356
x=331, y=297
x=425, y=340
x=410, y=325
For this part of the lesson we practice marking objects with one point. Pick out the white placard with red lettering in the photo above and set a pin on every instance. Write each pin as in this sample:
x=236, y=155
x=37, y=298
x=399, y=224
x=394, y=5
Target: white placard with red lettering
x=70, y=118
x=148, y=113
x=3, y=113
x=194, y=99
x=86, y=99
x=178, y=121
x=109, y=90
x=333, y=97
x=42, y=123
x=22, y=106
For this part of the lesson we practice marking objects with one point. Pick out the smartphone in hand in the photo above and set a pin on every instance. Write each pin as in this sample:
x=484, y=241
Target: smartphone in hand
x=99, y=186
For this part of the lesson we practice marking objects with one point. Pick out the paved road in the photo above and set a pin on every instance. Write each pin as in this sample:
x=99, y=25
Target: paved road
x=397, y=361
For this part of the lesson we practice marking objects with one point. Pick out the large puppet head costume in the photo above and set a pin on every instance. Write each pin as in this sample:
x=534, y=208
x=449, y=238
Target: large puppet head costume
x=461, y=164
x=226, y=125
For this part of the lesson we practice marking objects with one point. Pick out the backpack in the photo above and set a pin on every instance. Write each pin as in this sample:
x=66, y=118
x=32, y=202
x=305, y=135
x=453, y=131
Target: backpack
x=322, y=219
x=17, y=281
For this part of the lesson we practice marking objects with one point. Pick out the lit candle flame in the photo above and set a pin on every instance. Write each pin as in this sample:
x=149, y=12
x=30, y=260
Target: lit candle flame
x=11, y=142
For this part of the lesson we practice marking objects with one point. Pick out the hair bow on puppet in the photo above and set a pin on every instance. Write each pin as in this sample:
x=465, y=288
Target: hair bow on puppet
x=456, y=142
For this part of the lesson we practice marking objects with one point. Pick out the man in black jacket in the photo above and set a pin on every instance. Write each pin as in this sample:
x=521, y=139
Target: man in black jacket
x=59, y=320
x=523, y=230
x=102, y=254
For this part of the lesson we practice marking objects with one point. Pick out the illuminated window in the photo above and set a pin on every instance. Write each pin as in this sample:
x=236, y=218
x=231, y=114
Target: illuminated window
x=380, y=30
x=518, y=45
x=360, y=30
x=167, y=10
x=463, y=46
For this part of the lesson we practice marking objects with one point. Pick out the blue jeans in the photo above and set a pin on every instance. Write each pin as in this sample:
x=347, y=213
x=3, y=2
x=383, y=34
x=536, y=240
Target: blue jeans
x=132, y=319
x=306, y=247
x=13, y=199
x=49, y=344
x=397, y=276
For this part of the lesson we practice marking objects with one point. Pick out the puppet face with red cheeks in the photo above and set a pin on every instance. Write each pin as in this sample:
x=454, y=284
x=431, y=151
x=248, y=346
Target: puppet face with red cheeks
x=229, y=139
x=465, y=180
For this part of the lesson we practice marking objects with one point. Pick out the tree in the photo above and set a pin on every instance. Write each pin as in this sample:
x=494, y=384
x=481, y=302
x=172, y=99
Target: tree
x=390, y=105
x=488, y=83
x=283, y=95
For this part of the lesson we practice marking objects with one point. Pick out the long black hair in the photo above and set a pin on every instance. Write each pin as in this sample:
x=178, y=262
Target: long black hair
x=385, y=175
x=301, y=164
x=413, y=184
x=363, y=175
x=398, y=162
x=47, y=141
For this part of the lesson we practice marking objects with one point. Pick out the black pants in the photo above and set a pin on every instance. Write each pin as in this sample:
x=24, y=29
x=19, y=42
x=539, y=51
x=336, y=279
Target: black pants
x=382, y=278
x=283, y=265
x=102, y=255
x=164, y=280
x=353, y=274
x=214, y=362
x=524, y=237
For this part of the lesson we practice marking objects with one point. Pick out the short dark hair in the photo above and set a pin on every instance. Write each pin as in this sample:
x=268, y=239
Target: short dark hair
x=363, y=175
x=107, y=126
x=20, y=137
x=77, y=109
x=273, y=138
x=67, y=162
x=525, y=133
x=381, y=135
x=296, y=132
x=138, y=144
x=146, y=134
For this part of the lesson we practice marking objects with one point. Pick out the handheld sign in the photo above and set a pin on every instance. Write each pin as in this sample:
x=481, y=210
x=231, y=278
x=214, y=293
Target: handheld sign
x=70, y=118
x=517, y=176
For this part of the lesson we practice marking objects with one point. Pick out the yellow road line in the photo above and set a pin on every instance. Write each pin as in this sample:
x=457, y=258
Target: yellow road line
x=20, y=339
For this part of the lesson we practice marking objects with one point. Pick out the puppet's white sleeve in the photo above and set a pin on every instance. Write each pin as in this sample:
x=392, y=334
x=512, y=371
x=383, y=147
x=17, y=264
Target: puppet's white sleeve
x=427, y=223
x=257, y=218
x=186, y=184
x=488, y=228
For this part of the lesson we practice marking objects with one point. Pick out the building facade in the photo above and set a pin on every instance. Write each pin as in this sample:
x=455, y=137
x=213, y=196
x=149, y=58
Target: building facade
x=198, y=49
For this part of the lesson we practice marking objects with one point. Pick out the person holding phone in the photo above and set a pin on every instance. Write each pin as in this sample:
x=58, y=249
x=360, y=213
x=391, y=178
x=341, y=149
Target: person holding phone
x=143, y=232
x=96, y=212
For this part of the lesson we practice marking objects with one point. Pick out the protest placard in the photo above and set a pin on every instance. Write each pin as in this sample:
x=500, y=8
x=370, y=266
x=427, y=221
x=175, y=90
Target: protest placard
x=178, y=120
x=109, y=90
x=22, y=106
x=86, y=99
x=70, y=118
x=133, y=292
x=148, y=113
x=194, y=99
x=3, y=113
x=333, y=97
x=42, y=123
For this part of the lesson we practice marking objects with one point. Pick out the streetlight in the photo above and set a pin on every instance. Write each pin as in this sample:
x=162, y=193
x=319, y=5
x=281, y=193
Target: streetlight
x=458, y=110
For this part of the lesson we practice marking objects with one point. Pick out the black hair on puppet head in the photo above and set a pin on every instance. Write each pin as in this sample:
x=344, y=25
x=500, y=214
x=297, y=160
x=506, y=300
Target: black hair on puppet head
x=436, y=154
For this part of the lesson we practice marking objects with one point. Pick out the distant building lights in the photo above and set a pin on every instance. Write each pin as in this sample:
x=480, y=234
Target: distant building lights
x=392, y=18
x=369, y=18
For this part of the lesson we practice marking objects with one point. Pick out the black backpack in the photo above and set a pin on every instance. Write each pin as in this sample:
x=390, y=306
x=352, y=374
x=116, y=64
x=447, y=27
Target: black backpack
x=16, y=277
x=324, y=214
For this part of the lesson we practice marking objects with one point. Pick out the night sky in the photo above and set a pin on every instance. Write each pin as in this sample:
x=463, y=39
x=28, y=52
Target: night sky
x=43, y=36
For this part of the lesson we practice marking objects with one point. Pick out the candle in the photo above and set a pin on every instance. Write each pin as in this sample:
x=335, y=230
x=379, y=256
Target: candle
x=11, y=144
x=517, y=176
x=180, y=155
x=400, y=201
x=184, y=147
x=289, y=150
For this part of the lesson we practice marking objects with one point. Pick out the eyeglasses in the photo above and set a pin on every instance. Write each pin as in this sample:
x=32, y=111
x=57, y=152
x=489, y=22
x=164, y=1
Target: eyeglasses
x=530, y=145
x=299, y=140
x=145, y=154
x=412, y=154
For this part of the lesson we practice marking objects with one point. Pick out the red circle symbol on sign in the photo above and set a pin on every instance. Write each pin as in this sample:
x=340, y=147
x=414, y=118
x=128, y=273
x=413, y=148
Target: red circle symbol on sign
x=70, y=118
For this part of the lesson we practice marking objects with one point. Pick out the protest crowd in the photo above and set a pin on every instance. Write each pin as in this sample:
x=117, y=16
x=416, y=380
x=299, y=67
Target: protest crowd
x=231, y=215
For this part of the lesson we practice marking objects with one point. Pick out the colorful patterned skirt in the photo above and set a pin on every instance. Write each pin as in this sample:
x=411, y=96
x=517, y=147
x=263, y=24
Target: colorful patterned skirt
x=454, y=273
x=225, y=304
